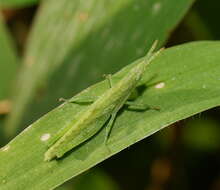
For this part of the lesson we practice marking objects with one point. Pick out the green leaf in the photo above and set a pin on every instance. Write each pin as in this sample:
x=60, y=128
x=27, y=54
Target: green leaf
x=8, y=69
x=16, y=3
x=8, y=61
x=77, y=42
x=182, y=81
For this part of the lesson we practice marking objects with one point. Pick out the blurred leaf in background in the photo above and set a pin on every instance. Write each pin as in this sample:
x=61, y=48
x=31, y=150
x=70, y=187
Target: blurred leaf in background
x=8, y=71
x=8, y=62
x=73, y=44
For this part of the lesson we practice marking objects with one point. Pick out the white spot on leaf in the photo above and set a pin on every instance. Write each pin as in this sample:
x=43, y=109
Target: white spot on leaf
x=160, y=85
x=45, y=137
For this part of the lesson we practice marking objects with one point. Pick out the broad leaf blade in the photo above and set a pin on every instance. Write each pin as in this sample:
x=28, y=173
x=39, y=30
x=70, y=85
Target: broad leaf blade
x=184, y=81
x=77, y=42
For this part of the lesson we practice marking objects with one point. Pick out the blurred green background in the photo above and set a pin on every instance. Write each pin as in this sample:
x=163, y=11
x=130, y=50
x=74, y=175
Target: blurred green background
x=183, y=156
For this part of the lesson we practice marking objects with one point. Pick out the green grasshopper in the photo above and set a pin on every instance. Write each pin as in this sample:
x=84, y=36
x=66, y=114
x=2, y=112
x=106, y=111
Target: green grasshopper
x=88, y=122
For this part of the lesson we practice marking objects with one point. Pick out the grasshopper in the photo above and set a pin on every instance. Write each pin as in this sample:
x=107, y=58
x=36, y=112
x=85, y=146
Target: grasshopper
x=88, y=122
